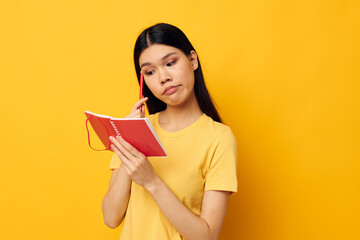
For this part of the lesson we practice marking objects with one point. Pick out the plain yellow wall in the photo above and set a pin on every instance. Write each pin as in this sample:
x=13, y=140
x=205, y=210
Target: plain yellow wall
x=284, y=74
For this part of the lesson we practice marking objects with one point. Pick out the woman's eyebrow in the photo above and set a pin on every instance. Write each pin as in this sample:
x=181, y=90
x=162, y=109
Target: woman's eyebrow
x=167, y=55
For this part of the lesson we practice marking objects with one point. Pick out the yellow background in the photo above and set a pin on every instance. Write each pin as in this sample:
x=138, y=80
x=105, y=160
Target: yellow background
x=284, y=74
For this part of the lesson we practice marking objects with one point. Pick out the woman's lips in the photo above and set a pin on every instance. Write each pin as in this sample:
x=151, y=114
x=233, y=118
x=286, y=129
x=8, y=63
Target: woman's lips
x=170, y=90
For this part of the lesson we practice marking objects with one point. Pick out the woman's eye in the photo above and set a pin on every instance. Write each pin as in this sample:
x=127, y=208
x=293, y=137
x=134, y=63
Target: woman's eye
x=148, y=73
x=171, y=63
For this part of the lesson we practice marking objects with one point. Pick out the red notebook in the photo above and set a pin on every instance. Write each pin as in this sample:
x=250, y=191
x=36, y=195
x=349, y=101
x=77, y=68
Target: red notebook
x=137, y=131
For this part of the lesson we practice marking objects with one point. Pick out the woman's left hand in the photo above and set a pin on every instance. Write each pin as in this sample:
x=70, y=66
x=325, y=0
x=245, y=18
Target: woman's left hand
x=137, y=166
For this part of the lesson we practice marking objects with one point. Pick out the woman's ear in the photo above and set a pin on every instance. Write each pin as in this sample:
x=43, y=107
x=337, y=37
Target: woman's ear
x=193, y=59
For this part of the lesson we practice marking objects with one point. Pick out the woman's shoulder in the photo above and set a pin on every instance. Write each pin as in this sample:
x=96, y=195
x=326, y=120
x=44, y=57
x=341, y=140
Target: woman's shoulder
x=217, y=128
x=205, y=126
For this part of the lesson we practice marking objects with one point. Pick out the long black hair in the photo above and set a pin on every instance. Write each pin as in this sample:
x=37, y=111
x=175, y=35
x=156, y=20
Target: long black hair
x=166, y=34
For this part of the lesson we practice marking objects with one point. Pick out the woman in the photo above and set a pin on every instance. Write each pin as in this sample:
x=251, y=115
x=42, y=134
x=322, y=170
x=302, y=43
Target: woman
x=185, y=195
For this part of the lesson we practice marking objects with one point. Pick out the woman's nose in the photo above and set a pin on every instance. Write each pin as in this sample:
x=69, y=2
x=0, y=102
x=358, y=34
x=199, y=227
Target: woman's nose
x=165, y=80
x=164, y=76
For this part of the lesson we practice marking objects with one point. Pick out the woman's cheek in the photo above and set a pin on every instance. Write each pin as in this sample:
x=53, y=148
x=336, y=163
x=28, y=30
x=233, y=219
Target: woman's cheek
x=154, y=89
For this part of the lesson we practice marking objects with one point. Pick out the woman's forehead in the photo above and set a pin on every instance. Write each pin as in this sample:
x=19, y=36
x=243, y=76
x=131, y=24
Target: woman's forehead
x=157, y=52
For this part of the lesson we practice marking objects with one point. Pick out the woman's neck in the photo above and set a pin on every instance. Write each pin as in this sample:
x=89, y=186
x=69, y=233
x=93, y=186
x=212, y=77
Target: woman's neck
x=175, y=118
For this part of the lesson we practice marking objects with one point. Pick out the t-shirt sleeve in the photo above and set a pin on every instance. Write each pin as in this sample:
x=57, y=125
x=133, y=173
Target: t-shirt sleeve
x=221, y=173
x=115, y=161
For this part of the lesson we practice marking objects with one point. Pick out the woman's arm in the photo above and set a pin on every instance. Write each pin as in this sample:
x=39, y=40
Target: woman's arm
x=115, y=202
x=190, y=226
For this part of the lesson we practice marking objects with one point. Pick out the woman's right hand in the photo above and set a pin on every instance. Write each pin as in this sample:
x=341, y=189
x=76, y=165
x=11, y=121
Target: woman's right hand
x=135, y=111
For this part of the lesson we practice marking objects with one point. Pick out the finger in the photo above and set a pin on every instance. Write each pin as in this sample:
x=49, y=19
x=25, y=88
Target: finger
x=128, y=170
x=134, y=114
x=139, y=103
x=133, y=151
x=128, y=164
x=142, y=112
x=123, y=150
x=115, y=142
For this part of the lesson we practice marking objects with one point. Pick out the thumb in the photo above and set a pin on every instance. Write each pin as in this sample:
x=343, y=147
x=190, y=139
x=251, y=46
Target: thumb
x=139, y=103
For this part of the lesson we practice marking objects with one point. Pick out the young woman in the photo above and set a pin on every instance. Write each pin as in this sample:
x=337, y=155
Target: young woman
x=185, y=195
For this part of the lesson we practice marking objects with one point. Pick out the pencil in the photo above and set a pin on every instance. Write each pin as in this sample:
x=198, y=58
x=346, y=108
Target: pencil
x=141, y=89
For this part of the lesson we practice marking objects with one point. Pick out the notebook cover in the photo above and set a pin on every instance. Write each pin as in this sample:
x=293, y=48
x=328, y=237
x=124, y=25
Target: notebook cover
x=137, y=131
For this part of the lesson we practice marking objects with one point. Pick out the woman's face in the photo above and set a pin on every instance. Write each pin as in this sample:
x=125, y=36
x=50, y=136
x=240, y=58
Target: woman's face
x=169, y=73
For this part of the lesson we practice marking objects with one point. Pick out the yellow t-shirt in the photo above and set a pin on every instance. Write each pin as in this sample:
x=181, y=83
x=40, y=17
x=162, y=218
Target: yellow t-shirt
x=201, y=157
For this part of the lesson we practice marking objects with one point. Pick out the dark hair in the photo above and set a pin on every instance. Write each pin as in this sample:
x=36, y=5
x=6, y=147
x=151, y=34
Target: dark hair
x=166, y=34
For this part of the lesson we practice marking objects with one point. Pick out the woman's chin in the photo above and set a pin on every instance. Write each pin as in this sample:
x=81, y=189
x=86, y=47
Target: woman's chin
x=178, y=99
